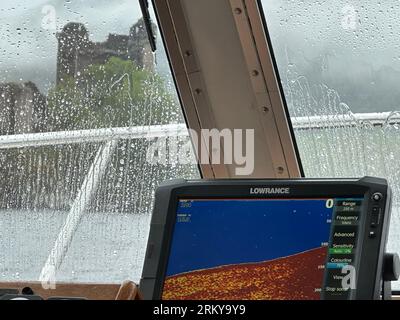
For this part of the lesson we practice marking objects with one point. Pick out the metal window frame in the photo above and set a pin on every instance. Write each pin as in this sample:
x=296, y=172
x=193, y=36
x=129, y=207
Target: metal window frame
x=275, y=142
x=182, y=65
x=264, y=49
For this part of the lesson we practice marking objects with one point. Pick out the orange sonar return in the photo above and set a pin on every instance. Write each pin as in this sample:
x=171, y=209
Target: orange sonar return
x=294, y=278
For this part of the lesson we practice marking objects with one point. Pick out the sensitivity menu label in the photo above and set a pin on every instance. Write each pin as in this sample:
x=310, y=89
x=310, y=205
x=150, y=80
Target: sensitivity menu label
x=342, y=246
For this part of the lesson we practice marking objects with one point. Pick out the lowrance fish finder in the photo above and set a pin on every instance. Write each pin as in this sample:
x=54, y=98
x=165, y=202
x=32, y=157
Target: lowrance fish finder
x=268, y=239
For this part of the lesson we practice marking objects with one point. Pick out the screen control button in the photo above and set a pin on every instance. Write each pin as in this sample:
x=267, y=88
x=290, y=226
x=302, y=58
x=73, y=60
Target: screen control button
x=376, y=210
x=372, y=234
x=377, y=196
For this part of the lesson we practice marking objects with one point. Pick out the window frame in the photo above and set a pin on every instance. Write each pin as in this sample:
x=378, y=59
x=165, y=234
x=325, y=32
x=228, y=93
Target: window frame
x=241, y=21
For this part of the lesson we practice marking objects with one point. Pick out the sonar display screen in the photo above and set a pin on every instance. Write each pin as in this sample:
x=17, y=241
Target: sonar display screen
x=258, y=249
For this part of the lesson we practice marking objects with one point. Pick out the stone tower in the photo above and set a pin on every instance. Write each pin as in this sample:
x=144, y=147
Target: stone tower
x=72, y=42
x=22, y=109
x=76, y=52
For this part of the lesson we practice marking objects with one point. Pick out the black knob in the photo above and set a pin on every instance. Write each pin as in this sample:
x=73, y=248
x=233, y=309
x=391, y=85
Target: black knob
x=377, y=196
x=391, y=267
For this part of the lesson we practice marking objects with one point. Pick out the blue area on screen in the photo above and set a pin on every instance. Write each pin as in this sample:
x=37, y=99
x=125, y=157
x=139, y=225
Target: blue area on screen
x=211, y=233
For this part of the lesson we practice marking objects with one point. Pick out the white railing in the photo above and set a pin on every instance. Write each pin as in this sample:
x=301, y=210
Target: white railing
x=93, y=135
x=141, y=132
x=345, y=120
x=110, y=138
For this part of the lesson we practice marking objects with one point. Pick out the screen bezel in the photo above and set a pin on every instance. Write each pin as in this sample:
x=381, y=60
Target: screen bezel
x=369, y=274
x=327, y=189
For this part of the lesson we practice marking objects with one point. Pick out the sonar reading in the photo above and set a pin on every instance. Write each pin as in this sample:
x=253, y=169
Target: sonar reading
x=246, y=249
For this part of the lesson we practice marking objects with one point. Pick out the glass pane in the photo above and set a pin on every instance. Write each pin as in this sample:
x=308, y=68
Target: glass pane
x=339, y=62
x=82, y=99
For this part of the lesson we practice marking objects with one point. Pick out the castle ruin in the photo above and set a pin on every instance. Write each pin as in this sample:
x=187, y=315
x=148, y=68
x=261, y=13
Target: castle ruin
x=23, y=108
x=76, y=51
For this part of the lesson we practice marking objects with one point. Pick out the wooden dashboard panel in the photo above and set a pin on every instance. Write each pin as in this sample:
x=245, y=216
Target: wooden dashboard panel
x=81, y=290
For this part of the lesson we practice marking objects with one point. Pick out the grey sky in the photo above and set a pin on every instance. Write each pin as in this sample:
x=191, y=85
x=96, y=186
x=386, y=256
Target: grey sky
x=351, y=46
x=318, y=27
x=28, y=51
